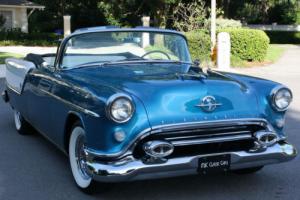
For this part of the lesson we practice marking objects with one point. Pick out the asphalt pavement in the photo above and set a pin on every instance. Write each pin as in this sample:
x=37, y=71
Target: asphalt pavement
x=32, y=168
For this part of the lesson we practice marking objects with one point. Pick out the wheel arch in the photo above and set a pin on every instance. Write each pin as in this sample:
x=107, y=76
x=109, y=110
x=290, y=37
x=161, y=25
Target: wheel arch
x=72, y=118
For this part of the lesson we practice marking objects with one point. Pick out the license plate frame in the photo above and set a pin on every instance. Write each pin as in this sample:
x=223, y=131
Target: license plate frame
x=214, y=164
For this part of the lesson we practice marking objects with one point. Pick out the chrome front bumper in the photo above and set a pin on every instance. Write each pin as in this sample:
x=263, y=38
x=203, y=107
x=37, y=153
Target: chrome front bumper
x=129, y=169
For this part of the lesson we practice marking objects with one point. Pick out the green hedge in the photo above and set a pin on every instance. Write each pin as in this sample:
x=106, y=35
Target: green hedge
x=283, y=37
x=248, y=44
x=16, y=37
x=199, y=44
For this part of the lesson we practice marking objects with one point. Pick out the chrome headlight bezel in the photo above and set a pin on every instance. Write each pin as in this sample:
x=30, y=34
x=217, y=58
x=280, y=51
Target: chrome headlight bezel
x=276, y=91
x=112, y=100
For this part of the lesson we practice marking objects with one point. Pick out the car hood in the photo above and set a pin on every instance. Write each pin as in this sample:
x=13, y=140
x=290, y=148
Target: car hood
x=172, y=99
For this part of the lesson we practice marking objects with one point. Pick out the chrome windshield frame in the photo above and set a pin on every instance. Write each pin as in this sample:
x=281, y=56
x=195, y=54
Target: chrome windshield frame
x=61, y=50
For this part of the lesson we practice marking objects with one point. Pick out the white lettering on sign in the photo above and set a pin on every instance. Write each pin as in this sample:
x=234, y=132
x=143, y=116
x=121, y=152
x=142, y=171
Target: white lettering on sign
x=214, y=164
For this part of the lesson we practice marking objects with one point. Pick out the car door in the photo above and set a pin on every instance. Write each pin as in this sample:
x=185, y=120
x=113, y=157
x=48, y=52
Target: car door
x=40, y=100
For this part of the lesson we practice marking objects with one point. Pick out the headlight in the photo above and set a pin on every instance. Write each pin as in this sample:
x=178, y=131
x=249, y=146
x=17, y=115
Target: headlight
x=120, y=108
x=281, y=98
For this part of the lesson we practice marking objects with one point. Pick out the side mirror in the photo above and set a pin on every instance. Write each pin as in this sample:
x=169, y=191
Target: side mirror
x=49, y=60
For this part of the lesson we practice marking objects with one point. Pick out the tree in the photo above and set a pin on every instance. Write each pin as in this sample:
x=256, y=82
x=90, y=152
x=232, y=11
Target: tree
x=84, y=13
x=129, y=12
x=190, y=16
x=261, y=11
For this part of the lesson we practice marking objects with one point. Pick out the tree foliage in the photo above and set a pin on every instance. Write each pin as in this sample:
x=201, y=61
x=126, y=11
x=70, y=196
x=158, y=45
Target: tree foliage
x=180, y=14
x=190, y=16
x=84, y=13
x=262, y=11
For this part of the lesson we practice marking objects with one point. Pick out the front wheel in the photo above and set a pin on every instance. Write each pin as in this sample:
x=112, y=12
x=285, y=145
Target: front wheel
x=77, y=159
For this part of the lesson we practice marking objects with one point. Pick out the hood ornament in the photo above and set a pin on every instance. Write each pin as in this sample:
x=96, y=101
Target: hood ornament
x=208, y=104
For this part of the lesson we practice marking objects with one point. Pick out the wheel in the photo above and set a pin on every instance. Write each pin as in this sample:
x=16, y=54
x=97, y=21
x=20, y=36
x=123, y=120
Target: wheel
x=21, y=125
x=247, y=170
x=77, y=159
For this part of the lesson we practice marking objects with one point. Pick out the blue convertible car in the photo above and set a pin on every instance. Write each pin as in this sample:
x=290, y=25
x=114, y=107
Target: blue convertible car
x=129, y=104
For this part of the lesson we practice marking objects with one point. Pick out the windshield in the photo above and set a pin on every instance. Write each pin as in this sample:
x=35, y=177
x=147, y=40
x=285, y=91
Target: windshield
x=129, y=46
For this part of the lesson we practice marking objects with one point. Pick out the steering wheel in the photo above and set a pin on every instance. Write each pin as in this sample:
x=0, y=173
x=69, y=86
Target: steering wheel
x=156, y=51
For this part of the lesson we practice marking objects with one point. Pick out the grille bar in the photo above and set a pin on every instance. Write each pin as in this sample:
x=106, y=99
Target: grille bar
x=232, y=133
x=229, y=138
x=198, y=130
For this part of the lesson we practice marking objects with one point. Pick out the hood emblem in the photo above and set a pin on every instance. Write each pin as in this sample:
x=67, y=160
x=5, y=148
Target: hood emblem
x=208, y=104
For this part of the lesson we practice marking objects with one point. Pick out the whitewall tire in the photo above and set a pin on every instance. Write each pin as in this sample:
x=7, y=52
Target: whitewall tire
x=21, y=125
x=78, y=159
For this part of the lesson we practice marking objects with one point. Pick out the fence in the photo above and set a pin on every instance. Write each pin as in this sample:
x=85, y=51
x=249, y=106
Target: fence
x=275, y=27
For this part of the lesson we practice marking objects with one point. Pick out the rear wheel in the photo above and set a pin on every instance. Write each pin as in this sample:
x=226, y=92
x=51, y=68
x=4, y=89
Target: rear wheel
x=21, y=125
x=77, y=159
x=248, y=170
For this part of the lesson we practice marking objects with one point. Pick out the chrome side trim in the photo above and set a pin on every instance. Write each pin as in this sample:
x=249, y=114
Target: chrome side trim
x=129, y=169
x=211, y=140
x=158, y=129
x=79, y=108
x=12, y=89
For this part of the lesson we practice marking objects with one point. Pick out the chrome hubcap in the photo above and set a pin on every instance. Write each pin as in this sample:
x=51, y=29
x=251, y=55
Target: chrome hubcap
x=81, y=157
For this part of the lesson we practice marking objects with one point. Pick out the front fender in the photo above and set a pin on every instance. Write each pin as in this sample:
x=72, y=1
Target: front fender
x=263, y=89
x=100, y=131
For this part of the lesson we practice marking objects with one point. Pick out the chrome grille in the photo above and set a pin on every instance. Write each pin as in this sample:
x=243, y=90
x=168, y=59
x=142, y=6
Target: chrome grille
x=209, y=138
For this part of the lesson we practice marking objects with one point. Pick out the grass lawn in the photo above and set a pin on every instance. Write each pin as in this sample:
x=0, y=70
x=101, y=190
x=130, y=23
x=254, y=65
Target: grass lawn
x=274, y=52
x=4, y=55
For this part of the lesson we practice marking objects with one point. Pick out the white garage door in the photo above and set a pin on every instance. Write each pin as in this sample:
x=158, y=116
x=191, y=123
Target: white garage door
x=8, y=18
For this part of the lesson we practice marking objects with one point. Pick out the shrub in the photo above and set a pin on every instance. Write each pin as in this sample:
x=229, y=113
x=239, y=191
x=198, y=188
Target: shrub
x=284, y=37
x=199, y=44
x=16, y=37
x=248, y=44
x=228, y=23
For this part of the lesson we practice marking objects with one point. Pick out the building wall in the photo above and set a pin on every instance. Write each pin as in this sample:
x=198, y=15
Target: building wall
x=19, y=17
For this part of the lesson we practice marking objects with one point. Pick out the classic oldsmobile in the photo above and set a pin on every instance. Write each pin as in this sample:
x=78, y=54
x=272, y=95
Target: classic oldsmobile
x=129, y=104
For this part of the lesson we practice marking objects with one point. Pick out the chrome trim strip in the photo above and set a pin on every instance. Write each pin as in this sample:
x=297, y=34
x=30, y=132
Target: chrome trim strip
x=86, y=111
x=233, y=133
x=158, y=129
x=211, y=140
x=12, y=89
x=129, y=169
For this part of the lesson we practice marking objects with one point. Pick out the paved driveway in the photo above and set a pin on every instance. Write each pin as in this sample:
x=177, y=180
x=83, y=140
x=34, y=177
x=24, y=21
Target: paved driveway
x=32, y=168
